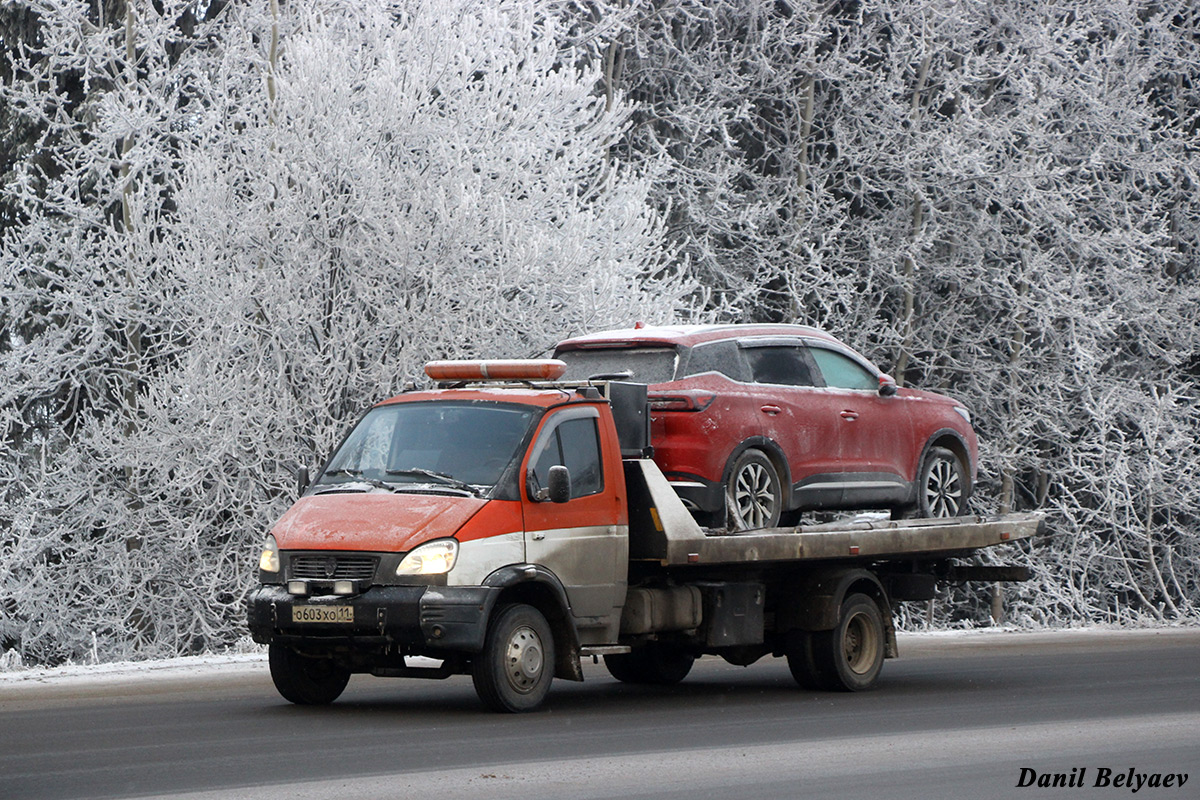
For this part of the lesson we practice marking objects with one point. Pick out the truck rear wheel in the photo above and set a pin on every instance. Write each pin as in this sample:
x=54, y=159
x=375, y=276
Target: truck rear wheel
x=514, y=671
x=800, y=661
x=847, y=658
x=651, y=664
x=306, y=681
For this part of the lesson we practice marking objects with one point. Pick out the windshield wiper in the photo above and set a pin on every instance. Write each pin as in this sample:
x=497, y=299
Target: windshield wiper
x=437, y=477
x=357, y=477
x=353, y=473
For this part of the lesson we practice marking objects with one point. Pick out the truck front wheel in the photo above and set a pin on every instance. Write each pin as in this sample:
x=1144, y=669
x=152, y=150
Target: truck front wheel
x=847, y=658
x=514, y=671
x=303, y=680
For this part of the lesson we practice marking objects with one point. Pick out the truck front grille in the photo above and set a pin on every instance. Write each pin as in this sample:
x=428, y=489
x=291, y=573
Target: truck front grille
x=333, y=567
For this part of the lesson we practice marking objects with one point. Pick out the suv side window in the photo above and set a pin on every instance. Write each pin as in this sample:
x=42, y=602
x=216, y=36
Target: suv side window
x=785, y=365
x=575, y=444
x=843, y=372
x=723, y=357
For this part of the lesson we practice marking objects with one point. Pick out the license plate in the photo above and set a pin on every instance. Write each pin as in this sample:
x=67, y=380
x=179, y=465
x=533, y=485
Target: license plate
x=322, y=613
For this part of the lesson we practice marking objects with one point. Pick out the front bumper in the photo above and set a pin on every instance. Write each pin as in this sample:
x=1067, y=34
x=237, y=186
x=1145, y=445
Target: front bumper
x=414, y=619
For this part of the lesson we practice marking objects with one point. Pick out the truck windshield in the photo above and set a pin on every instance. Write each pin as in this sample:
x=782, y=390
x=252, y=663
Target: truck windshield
x=447, y=445
x=643, y=364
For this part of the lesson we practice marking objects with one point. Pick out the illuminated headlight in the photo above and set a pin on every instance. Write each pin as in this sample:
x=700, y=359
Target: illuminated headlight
x=269, y=560
x=431, y=558
x=964, y=413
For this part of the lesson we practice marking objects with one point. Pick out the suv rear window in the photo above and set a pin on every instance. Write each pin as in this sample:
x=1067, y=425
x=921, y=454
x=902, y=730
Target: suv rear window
x=644, y=364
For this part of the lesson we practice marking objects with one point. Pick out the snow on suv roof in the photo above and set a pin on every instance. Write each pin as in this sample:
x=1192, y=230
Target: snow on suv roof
x=686, y=335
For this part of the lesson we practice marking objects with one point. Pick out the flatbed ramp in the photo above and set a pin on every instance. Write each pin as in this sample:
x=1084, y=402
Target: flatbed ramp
x=662, y=530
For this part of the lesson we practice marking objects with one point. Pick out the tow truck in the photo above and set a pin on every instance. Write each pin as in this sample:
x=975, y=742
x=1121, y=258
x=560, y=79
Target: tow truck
x=506, y=524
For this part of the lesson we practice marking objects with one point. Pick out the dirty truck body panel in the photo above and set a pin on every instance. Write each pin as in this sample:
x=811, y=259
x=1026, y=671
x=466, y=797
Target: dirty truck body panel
x=509, y=529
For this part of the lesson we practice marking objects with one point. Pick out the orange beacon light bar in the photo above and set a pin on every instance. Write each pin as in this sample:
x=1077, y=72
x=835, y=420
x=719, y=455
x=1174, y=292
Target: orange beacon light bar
x=529, y=369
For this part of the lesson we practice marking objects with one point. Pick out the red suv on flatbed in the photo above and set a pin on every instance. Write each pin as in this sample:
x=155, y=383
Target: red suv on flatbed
x=753, y=423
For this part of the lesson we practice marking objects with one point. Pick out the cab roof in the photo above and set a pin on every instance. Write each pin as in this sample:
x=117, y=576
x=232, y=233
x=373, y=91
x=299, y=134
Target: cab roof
x=521, y=394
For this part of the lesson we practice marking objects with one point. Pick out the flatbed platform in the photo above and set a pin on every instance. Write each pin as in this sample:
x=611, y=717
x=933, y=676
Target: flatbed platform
x=662, y=530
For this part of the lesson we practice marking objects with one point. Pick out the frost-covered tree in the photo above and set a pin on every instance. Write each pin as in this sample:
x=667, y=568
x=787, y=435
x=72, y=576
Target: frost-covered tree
x=720, y=88
x=102, y=87
x=251, y=236
x=225, y=227
x=1024, y=224
x=994, y=199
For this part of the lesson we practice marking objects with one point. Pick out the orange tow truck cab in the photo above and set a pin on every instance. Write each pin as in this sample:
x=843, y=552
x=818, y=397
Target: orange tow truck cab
x=438, y=504
x=507, y=524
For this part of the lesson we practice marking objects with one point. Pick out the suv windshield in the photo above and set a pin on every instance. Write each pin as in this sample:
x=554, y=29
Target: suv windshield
x=455, y=445
x=644, y=364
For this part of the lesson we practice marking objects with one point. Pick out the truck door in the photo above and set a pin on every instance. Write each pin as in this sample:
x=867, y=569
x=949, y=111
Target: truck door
x=585, y=541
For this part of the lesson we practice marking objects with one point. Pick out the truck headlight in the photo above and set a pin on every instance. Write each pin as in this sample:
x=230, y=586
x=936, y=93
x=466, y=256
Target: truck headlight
x=432, y=558
x=269, y=560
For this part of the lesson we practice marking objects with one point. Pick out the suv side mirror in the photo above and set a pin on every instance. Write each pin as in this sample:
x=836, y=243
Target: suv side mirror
x=559, y=490
x=301, y=481
x=887, y=386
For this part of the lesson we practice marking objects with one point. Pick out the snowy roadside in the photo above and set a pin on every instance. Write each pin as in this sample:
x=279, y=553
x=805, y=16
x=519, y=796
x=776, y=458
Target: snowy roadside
x=252, y=659
x=126, y=672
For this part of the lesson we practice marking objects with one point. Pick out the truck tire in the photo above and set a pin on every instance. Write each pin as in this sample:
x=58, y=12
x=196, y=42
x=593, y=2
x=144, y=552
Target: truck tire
x=514, y=671
x=800, y=660
x=306, y=681
x=942, y=488
x=753, y=493
x=847, y=658
x=650, y=664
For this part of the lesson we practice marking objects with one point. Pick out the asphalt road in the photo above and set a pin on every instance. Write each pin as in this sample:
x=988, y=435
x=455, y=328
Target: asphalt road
x=954, y=717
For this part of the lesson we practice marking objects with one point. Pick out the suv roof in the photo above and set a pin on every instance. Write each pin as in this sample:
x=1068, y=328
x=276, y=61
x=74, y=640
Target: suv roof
x=686, y=335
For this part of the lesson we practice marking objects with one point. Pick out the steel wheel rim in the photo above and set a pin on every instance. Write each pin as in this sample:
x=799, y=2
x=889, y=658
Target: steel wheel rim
x=861, y=644
x=943, y=489
x=753, y=497
x=524, y=659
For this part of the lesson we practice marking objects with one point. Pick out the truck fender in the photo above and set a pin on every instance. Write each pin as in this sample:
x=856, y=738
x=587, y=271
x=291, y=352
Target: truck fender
x=539, y=587
x=816, y=601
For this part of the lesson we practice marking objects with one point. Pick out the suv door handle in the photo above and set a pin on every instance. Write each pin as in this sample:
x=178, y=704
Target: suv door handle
x=771, y=410
x=849, y=416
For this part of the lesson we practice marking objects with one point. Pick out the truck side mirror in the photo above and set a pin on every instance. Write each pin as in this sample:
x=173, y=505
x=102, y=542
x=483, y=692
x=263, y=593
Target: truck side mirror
x=559, y=489
x=301, y=481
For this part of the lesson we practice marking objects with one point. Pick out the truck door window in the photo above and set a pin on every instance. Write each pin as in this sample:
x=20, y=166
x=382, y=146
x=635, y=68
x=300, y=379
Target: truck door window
x=575, y=444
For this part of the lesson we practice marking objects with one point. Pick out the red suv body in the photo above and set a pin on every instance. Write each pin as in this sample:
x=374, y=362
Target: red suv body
x=752, y=423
